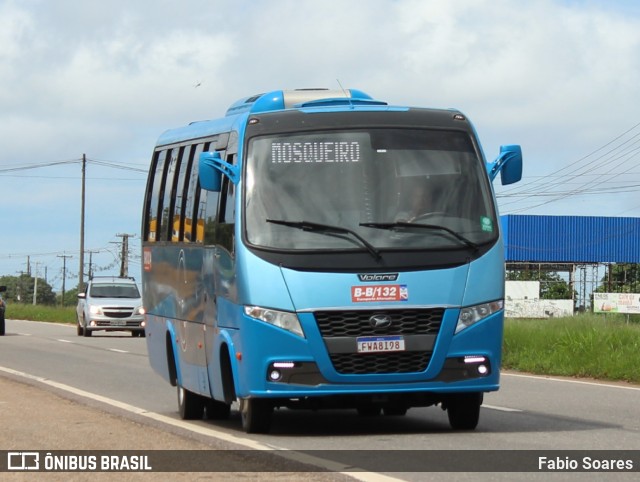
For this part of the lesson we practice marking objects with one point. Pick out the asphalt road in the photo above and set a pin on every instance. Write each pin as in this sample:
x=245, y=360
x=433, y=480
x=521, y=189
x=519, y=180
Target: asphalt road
x=108, y=376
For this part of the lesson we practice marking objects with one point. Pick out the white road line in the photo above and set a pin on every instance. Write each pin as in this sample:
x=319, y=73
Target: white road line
x=209, y=432
x=564, y=380
x=63, y=341
x=501, y=409
x=118, y=351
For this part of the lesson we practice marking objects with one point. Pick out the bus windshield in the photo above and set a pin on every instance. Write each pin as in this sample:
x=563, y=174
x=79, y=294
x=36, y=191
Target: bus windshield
x=374, y=189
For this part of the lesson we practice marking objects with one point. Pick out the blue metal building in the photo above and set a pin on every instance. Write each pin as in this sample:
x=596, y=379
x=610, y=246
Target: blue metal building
x=571, y=239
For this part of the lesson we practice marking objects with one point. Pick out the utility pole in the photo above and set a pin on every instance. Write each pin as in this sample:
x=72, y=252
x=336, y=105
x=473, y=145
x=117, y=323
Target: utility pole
x=35, y=286
x=124, y=263
x=81, y=269
x=90, y=272
x=64, y=272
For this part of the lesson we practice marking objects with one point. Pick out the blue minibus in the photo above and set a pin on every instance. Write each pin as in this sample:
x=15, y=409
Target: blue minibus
x=321, y=249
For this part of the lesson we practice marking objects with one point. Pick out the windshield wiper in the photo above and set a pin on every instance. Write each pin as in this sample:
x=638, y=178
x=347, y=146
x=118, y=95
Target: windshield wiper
x=402, y=224
x=327, y=229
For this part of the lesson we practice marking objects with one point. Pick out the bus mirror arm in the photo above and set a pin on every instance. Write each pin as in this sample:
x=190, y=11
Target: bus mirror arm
x=212, y=167
x=508, y=164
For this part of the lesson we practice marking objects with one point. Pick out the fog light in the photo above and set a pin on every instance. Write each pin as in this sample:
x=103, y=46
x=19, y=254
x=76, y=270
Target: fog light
x=474, y=359
x=275, y=375
x=284, y=364
x=482, y=369
x=93, y=323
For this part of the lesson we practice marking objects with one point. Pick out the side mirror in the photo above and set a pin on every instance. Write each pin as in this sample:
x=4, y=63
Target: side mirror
x=82, y=296
x=212, y=167
x=508, y=164
x=210, y=176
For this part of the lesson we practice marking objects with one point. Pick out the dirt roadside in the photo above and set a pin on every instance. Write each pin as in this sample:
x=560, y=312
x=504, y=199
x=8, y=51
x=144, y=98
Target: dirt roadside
x=34, y=418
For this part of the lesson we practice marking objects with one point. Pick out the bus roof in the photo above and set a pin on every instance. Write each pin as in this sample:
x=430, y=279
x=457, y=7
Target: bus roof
x=279, y=100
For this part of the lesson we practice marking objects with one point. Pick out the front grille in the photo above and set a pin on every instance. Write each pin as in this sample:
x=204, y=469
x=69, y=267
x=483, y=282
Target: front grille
x=115, y=312
x=361, y=364
x=356, y=323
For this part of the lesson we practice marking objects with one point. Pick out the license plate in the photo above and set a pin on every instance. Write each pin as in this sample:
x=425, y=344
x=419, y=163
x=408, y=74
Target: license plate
x=380, y=344
x=118, y=323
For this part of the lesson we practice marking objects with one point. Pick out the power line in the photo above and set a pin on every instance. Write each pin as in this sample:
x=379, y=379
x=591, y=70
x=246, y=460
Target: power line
x=593, y=176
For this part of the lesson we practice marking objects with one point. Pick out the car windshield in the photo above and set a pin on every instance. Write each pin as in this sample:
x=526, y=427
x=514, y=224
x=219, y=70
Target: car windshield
x=392, y=188
x=114, y=291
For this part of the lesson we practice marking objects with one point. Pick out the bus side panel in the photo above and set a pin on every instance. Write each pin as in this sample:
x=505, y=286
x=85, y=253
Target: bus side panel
x=172, y=291
x=155, y=331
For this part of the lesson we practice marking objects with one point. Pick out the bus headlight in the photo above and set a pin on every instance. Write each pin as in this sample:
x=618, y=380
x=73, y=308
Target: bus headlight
x=282, y=319
x=473, y=314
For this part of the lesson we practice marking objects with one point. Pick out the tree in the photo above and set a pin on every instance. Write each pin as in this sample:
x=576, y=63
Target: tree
x=621, y=278
x=20, y=290
x=552, y=286
x=70, y=297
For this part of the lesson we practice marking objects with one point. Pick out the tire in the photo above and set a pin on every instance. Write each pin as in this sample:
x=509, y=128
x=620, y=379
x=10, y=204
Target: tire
x=215, y=410
x=190, y=405
x=80, y=329
x=2, y=324
x=86, y=332
x=256, y=415
x=463, y=410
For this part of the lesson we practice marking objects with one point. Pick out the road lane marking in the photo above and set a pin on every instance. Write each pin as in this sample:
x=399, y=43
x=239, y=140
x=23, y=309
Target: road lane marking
x=580, y=382
x=209, y=432
x=501, y=409
x=118, y=351
x=63, y=341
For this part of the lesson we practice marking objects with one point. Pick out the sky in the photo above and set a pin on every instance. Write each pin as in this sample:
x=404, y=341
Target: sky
x=105, y=79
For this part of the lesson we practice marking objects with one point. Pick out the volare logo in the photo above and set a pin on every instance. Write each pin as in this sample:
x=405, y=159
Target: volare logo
x=378, y=277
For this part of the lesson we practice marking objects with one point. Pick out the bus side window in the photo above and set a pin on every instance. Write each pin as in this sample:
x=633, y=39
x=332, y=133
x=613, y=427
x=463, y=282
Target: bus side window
x=211, y=200
x=156, y=189
x=194, y=209
x=226, y=214
x=168, y=203
x=179, y=223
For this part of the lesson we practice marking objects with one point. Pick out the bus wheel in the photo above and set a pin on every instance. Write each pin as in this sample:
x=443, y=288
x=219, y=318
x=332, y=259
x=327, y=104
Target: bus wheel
x=256, y=415
x=190, y=405
x=463, y=410
x=215, y=410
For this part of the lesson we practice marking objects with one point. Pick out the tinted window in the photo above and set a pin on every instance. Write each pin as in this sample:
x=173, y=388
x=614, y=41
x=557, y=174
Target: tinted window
x=156, y=193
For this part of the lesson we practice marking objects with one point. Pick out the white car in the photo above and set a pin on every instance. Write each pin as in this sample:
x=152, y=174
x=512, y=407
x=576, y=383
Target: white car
x=110, y=304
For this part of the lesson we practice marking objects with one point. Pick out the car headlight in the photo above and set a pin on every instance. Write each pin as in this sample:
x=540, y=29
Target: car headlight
x=282, y=319
x=140, y=310
x=95, y=310
x=473, y=314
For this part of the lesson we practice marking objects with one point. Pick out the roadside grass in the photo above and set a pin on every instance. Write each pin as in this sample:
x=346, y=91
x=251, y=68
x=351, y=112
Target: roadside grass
x=588, y=345
x=54, y=314
x=591, y=346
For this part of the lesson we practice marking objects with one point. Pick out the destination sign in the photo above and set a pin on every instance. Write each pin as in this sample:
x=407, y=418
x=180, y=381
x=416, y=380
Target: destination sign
x=315, y=151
